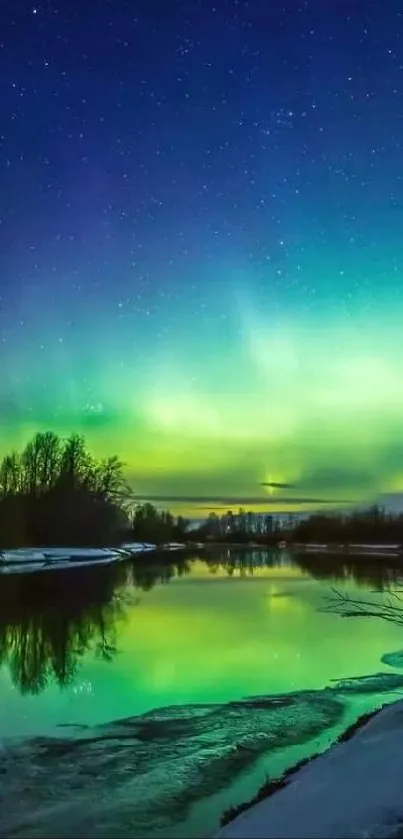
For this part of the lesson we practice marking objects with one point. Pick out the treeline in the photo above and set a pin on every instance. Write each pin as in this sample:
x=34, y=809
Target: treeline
x=241, y=527
x=55, y=492
x=372, y=525
x=158, y=526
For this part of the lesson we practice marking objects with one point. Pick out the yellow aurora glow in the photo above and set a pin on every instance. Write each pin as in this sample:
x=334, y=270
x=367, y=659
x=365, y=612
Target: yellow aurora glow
x=317, y=409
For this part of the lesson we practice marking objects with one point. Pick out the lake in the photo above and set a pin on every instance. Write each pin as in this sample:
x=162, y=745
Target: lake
x=157, y=694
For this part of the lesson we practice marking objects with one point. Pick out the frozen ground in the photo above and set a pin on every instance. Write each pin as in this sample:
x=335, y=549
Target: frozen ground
x=353, y=790
x=140, y=777
x=34, y=560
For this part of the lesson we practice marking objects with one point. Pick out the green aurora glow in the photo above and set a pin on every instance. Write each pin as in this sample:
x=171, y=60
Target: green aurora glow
x=317, y=407
x=202, y=260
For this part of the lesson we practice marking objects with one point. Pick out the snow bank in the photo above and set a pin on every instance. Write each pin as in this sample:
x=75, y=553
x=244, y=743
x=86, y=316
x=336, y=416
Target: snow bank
x=23, y=555
x=139, y=777
x=40, y=554
x=30, y=560
x=353, y=790
x=375, y=546
x=137, y=547
x=174, y=546
x=170, y=771
x=316, y=546
x=87, y=553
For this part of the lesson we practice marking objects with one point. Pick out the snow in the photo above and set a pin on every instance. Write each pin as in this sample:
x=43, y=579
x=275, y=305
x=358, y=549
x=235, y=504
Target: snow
x=141, y=776
x=316, y=546
x=41, y=554
x=381, y=549
x=353, y=790
x=28, y=560
x=138, y=547
x=90, y=553
x=375, y=547
x=385, y=554
x=174, y=546
x=23, y=555
x=52, y=565
x=170, y=770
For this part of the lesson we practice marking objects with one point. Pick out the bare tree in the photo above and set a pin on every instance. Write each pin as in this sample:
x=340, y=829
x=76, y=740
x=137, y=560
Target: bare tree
x=10, y=474
x=390, y=608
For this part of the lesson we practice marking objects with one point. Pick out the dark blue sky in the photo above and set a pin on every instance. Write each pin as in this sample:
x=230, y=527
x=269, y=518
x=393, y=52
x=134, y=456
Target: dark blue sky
x=189, y=190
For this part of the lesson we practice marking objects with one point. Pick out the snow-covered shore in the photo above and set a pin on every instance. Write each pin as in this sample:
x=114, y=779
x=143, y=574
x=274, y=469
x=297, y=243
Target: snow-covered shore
x=33, y=560
x=355, y=789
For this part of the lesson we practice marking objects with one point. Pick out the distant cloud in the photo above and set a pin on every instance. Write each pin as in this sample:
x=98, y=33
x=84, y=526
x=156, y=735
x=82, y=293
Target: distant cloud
x=276, y=485
x=217, y=502
x=327, y=479
x=203, y=499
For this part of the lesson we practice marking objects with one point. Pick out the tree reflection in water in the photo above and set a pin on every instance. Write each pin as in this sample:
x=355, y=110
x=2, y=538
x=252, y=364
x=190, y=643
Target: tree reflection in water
x=48, y=621
x=378, y=576
x=368, y=572
x=379, y=573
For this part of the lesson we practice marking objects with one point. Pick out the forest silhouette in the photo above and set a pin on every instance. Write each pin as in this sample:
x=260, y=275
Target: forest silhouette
x=335, y=528
x=55, y=492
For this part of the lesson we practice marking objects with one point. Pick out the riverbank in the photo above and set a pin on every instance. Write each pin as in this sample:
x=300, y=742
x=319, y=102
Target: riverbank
x=354, y=789
x=355, y=549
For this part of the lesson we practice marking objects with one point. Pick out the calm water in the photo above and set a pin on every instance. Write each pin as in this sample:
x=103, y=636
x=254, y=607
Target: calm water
x=122, y=641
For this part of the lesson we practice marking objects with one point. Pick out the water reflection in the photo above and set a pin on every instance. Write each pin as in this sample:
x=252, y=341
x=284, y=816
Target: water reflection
x=49, y=622
x=368, y=572
x=247, y=563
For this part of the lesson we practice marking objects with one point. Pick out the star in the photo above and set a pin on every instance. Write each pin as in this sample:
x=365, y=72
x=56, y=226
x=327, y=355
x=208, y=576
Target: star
x=228, y=215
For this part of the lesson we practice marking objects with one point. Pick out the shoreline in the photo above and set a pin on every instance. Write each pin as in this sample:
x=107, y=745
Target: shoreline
x=355, y=549
x=362, y=770
x=270, y=787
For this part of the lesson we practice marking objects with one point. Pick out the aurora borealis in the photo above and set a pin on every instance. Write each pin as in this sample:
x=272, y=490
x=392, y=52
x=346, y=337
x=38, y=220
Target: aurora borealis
x=201, y=244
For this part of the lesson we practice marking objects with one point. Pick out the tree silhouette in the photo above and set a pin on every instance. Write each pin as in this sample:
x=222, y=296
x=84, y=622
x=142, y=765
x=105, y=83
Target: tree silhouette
x=55, y=492
x=389, y=609
x=159, y=526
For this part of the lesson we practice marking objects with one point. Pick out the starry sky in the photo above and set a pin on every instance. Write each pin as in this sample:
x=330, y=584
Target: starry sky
x=201, y=251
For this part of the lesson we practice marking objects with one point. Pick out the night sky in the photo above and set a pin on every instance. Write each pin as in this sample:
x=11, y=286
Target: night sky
x=201, y=243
